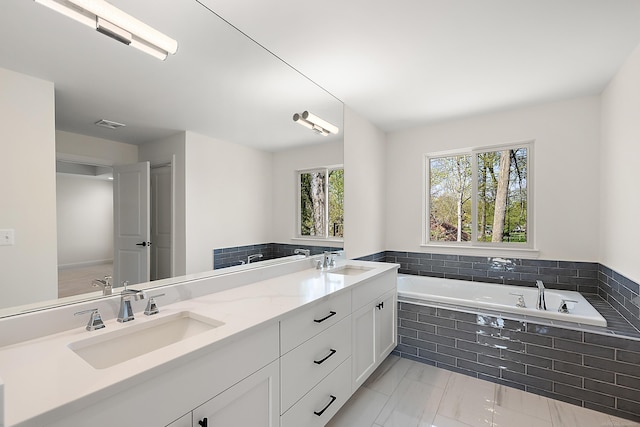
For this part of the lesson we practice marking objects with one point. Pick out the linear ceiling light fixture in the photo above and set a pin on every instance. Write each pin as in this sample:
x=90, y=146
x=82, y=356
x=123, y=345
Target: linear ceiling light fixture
x=111, y=21
x=315, y=123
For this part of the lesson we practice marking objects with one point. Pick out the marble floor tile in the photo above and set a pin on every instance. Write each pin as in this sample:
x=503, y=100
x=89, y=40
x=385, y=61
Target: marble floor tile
x=620, y=422
x=428, y=374
x=409, y=404
x=468, y=400
x=386, y=378
x=567, y=415
x=522, y=402
x=503, y=417
x=361, y=410
x=404, y=393
x=441, y=421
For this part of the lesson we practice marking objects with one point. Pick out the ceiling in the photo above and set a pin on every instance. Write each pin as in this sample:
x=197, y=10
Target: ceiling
x=399, y=64
x=404, y=63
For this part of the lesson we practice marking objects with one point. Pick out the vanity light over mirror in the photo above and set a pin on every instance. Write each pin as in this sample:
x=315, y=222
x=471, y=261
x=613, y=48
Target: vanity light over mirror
x=212, y=123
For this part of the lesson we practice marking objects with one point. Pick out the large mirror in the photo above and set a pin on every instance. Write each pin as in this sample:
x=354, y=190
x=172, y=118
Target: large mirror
x=214, y=122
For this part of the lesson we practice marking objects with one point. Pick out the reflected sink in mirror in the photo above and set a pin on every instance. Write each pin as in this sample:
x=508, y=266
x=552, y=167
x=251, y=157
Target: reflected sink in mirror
x=115, y=347
x=350, y=270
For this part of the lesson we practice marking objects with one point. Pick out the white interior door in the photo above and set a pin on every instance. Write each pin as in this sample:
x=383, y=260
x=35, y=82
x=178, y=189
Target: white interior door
x=131, y=223
x=161, y=223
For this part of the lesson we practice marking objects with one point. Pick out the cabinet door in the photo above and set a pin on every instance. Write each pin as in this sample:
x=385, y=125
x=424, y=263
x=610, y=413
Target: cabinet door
x=364, y=344
x=386, y=325
x=254, y=401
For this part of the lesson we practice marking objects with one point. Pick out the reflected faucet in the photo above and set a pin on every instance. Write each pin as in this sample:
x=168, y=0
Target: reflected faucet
x=540, y=304
x=252, y=257
x=105, y=284
x=305, y=252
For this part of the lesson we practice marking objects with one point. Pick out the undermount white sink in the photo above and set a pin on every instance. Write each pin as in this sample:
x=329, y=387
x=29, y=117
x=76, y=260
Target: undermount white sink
x=109, y=349
x=350, y=270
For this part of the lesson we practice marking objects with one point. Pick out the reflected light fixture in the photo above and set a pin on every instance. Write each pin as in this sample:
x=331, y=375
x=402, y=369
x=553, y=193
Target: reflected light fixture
x=113, y=22
x=315, y=123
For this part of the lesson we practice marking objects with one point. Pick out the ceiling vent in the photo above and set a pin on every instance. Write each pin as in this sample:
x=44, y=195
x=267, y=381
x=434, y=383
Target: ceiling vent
x=109, y=124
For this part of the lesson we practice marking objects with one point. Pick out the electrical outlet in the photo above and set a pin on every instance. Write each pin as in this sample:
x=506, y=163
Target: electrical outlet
x=7, y=237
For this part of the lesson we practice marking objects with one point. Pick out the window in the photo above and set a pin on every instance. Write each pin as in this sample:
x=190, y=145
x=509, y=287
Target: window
x=320, y=203
x=480, y=197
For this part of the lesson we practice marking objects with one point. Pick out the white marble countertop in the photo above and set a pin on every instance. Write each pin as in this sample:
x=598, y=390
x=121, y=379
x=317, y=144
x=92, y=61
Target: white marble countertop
x=44, y=378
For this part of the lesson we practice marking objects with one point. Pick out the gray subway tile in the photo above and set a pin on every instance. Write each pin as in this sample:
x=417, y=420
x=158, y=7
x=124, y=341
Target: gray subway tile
x=528, y=359
x=437, y=357
x=554, y=376
x=609, y=365
x=613, y=390
x=586, y=395
x=583, y=371
x=629, y=406
x=527, y=380
x=576, y=347
x=434, y=338
x=629, y=357
x=417, y=343
x=478, y=368
x=434, y=320
x=501, y=363
x=502, y=344
x=554, y=353
x=418, y=326
x=481, y=349
x=627, y=381
x=612, y=341
x=456, y=333
x=457, y=353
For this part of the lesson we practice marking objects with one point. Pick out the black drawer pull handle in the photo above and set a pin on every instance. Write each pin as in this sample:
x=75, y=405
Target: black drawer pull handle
x=333, y=399
x=203, y=422
x=331, y=314
x=380, y=306
x=331, y=353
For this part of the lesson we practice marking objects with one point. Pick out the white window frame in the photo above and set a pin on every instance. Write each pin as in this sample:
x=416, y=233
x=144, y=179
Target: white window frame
x=528, y=246
x=298, y=234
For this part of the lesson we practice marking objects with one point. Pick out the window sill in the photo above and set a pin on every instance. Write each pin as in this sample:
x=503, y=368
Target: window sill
x=317, y=240
x=483, y=251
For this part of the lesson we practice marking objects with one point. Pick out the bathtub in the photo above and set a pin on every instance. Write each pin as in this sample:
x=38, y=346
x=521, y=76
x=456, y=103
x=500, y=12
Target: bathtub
x=489, y=296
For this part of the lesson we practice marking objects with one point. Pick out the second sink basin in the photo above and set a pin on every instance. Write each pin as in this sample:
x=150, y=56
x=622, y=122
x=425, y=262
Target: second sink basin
x=109, y=349
x=350, y=270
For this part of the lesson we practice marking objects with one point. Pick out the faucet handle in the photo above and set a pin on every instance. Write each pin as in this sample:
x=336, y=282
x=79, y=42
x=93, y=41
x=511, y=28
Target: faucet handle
x=520, y=303
x=564, y=308
x=95, y=320
x=152, y=307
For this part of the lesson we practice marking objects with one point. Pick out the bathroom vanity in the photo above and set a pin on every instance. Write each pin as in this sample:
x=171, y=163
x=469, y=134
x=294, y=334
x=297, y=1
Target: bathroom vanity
x=288, y=350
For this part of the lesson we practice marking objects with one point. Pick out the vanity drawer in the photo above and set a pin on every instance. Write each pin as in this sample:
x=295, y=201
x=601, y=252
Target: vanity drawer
x=305, y=366
x=318, y=406
x=372, y=289
x=302, y=325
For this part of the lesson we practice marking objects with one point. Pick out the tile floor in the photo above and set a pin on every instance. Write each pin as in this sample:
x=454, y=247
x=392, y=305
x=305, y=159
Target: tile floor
x=404, y=393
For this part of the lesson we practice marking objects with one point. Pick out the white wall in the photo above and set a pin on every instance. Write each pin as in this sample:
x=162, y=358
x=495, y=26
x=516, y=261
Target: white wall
x=73, y=146
x=285, y=165
x=365, y=185
x=620, y=171
x=85, y=220
x=163, y=151
x=566, y=168
x=28, y=269
x=228, y=198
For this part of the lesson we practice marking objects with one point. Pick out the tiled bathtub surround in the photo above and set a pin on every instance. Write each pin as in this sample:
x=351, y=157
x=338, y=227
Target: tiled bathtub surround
x=588, y=369
x=229, y=257
x=585, y=277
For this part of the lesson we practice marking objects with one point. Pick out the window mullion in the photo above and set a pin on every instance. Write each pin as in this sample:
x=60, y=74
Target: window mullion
x=474, y=197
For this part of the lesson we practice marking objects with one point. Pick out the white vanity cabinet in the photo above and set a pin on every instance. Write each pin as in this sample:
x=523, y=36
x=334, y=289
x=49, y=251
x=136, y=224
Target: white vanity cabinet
x=315, y=364
x=374, y=325
x=254, y=401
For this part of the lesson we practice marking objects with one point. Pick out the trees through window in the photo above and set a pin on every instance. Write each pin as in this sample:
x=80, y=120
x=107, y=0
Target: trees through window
x=321, y=203
x=479, y=197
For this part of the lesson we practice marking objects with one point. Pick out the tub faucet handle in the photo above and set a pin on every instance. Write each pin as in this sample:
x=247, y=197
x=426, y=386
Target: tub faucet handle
x=520, y=303
x=563, y=305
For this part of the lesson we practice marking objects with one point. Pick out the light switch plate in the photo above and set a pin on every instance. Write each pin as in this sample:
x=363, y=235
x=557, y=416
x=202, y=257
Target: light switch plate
x=7, y=237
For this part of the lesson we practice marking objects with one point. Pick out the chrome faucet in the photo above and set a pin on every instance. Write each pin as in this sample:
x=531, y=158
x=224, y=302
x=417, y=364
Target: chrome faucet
x=305, y=252
x=252, y=257
x=126, y=312
x=105, y=284
x=540, y=304
x=329, y=260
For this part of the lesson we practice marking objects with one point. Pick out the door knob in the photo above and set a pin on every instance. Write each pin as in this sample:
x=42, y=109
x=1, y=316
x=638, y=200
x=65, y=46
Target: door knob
x=143, y=244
